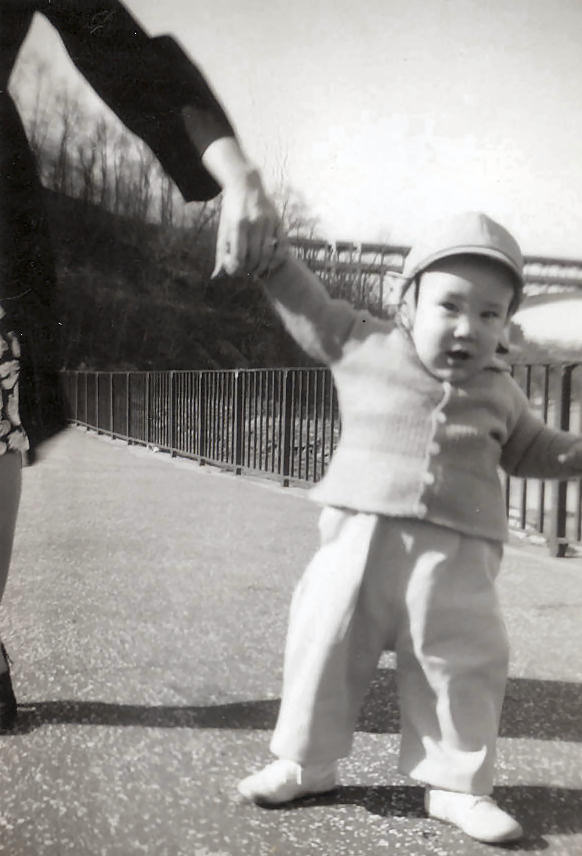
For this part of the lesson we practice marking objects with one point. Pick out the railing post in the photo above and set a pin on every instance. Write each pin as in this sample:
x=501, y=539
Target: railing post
x=201, y=419
x=287, y=427
x=171, y=417
x=111, y=407
x=128, y=408
x=557, y=541
x=147, y=409
x=238, y=423
x=97, y=427
x=75, y=381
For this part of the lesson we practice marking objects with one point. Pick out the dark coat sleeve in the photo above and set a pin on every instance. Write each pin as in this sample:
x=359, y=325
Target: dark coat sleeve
x=147, y=82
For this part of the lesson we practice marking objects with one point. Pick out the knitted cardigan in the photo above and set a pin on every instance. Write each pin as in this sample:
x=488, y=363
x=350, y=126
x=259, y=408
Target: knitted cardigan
x=412, y=445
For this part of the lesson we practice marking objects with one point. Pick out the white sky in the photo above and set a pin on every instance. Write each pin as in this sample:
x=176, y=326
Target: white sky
x=385, y=113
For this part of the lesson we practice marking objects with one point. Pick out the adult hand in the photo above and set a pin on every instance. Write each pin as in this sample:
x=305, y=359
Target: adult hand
x=250, y=238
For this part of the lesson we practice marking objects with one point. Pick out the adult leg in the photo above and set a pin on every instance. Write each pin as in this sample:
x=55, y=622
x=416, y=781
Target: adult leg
x=10, y=482
x=10, y=485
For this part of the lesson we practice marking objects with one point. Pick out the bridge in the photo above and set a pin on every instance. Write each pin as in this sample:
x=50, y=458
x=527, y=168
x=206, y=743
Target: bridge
x=361, y=271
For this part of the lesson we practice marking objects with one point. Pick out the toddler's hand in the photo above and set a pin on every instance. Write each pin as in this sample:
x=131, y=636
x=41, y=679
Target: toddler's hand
x=573, y=457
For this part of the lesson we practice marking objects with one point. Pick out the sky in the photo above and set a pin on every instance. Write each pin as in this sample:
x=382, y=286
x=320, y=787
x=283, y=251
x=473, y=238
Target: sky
x=384, y=114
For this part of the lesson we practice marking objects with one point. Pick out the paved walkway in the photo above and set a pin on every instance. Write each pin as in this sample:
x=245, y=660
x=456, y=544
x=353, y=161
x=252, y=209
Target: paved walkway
x=146, y=615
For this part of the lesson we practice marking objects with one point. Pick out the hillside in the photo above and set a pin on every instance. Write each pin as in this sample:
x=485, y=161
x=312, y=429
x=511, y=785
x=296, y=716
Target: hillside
x=137, y=296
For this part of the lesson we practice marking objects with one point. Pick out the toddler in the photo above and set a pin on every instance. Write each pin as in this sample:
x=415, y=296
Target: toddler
x=413, y=523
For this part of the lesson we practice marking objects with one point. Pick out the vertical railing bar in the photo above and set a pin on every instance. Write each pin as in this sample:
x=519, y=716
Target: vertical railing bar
x=316, y=378
x=301, y=422
x=171, y=415
x=227, y=398
x=275, y=417
x=201, y=414
x=253, y=423
x=218, y=425
x=238, y=422
x=524, y=485
x=287, y=419
x=542, y=488
x=332, y=417
x=211, y=402
x=145, y=393
x=111, y=413
x=220, y=441
x=222, y=421
x=308, y=428
x=292, y=415
x=558, y=541
x=128, y=424
x=263, y=416
x=323, y=421
x=97, y=426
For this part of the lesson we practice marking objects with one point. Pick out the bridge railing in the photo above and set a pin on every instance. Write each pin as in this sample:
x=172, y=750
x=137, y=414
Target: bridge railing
x=284, y=424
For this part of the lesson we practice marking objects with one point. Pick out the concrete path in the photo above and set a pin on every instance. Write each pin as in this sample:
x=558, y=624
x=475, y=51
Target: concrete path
x=146, y=614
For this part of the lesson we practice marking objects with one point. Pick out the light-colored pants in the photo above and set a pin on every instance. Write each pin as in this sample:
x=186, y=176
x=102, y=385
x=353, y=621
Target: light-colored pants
x=10, y=482
x=424, y=591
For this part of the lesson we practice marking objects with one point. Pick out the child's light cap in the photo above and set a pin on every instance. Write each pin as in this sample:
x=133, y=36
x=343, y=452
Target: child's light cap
x=469, y=232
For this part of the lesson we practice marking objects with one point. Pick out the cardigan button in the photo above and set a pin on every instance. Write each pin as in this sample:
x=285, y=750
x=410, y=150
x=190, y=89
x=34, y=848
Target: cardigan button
x=440, y=417
x=428, y=478
x=421, y=509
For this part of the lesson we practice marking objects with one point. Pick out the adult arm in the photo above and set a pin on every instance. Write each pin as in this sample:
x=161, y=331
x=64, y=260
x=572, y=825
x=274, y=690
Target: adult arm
x=160, y=95
x=148, y=82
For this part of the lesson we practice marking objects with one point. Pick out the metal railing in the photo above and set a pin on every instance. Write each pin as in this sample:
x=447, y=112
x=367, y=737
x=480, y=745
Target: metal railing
x=552, y=508
x=284, y=424
x=281, y=423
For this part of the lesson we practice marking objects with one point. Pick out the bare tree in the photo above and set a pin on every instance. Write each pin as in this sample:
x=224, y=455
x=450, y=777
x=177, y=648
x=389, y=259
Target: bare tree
x=166, y=198
x=68, y=112
x=87, y=161
x=102, y=138
x=297, y=219
x=120, y=162
x=141, y=187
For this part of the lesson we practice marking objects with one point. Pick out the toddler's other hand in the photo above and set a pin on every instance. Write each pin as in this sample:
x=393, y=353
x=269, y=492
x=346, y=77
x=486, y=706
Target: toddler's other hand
x=573, y=457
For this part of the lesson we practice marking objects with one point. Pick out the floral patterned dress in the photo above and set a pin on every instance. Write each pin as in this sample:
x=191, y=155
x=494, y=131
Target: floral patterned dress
x=12, y=434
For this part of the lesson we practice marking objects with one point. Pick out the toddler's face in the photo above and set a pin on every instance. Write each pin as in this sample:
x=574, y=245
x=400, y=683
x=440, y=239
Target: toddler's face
x=462, y=308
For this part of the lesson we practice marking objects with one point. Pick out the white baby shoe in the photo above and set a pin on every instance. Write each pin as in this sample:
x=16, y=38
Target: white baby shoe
x=283, y=781
x=478, y=816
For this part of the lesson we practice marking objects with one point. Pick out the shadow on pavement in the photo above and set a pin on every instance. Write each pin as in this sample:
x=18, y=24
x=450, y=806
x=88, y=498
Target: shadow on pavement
x=542, y=710
x=253, y=715
x=542, y=811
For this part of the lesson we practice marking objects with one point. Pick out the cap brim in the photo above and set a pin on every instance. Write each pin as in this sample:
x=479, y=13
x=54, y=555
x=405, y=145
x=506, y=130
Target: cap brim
x=466, y=249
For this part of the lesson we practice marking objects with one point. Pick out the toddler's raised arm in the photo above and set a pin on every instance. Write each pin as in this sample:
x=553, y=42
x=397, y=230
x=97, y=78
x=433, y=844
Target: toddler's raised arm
x=320, y=324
